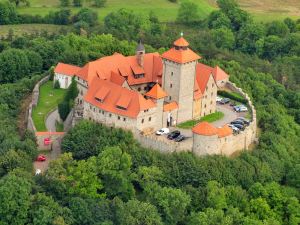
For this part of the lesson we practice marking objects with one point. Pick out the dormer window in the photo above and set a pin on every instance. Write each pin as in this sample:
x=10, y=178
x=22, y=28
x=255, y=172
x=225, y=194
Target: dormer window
x=99, y=100
x=101, y=94
x=137, y=76
x=120, y=107
x=123, y=102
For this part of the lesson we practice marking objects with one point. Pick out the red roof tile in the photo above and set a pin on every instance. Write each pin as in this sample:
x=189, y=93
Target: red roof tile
x=137, y=69
x=102, y=93
x=181, y=42
x=205, y=128
x=180, y=55
x=219, y=74
x=170, y=106
x=224, y=131
x=123, y=66
x=156, y=92
x=66, y=69
x=133, y=101
x=203, y=72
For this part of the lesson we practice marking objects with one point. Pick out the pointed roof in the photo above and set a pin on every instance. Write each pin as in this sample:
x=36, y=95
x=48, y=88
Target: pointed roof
x=224, y=131
x=181, y=42
x=170, y=106
x=180, y=53
x=156, y=92
x=203, y=73
x=205, y=128
x=219, y=74
x=140, y=47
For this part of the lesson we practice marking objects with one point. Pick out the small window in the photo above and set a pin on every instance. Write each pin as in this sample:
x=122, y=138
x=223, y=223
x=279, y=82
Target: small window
x=103, y=112
x=206, y=88
x=211, y=102
x=139, y=89
x=90, y=107
x=209, y=111
x=171, y=85
x=145, y=88
x=110, y=115
x=172, y=73
x=170, y=98
x=149, y=119
x=119, y=117
x=205, y=106
x=142, y=120
x=212, y=84
x=99, y=111
x=124, y=119
x=94, y=109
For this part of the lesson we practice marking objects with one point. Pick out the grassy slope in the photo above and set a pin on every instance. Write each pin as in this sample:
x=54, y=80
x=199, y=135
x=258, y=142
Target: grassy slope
x=164, y=9
x=48, y=100
x=263, y=10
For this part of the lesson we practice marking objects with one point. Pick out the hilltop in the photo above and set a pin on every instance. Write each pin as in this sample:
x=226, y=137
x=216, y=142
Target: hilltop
x=264, y=10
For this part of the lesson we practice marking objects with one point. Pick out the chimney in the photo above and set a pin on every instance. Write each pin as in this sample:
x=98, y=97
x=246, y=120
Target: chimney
x=140, y=52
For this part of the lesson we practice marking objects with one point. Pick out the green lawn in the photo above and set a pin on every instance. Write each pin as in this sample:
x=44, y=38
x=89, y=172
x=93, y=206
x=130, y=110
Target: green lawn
x=20, y=29
x=209, y=118
x=263, y=10
x=48, y=101
x=164, y=9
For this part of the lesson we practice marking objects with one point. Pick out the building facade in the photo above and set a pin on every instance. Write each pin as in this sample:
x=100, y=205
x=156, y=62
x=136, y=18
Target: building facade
x=144, y=92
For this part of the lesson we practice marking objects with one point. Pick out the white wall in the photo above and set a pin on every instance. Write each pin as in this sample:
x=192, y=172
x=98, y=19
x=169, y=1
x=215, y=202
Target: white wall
x=64, y=80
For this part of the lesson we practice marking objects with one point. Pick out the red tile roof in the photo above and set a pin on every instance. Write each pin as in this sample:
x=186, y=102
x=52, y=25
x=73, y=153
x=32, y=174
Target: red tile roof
x=180, y=55
x=224, y=131
x=132, y=101
x=125, y=67
x=203, y=72
x=219, y=74
x=181, y=42
x=170, y=106
x=205, y=128
x=156, y=92
x=66, y=69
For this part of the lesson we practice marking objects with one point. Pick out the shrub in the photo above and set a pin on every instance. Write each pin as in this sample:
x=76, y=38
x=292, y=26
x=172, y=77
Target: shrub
x=56, y=84
x=233, y=96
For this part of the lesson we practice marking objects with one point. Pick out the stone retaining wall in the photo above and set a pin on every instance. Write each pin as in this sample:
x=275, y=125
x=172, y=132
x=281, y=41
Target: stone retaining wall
x=209, y=145
x=162, y=144
x=33, y=103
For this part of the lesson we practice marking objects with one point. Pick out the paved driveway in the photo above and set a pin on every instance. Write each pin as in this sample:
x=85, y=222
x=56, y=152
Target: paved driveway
x=229, y=115
x=51, y=121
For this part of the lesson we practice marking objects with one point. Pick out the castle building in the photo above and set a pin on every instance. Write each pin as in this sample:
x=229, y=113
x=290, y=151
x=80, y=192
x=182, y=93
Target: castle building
x=147, y=91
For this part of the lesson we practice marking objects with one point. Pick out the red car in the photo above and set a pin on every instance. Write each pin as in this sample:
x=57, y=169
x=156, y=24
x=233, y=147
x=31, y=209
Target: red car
x=41, y=158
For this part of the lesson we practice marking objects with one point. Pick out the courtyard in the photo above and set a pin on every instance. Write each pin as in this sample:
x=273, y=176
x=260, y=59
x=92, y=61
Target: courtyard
x=49, y=98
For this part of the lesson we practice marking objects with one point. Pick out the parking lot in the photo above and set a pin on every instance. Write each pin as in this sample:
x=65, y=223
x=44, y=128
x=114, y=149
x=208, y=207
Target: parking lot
x=229, y=115
x=187, y=143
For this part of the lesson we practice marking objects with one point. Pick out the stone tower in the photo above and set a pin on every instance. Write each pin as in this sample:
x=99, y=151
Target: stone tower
x=140, y=53
x=179, y=71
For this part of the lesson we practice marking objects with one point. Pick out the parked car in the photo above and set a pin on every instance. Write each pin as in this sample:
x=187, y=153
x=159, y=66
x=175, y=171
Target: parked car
x=41, y=158
x=163, y=131
x=246, y=121
x=218, y=99
x=241, y=127
x=240, y=108
x=238, y=122
x=174, y=134
x=234, y=129
x=179, y=138
x=225, y=101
